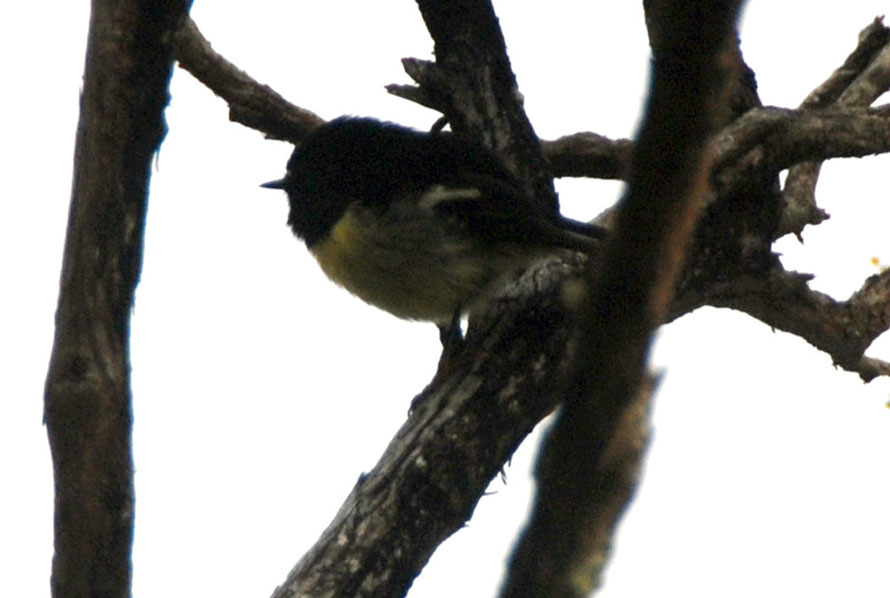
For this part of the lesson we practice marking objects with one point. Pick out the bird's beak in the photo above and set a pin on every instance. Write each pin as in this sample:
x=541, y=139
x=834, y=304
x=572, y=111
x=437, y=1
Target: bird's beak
x=279, y=184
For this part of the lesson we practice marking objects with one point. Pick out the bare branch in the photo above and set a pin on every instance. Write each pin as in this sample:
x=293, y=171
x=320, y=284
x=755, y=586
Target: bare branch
x=474, y=84
x=863, y=77
x=432, y=89
x=471, y=419
x=873, y=40
x=437, y=466
x=772, y=138
x=843, y=329
x=588, y=155
x=582, y=154
x=250, y=103
x=577, y=507
x=767, y=140
x=87, y=398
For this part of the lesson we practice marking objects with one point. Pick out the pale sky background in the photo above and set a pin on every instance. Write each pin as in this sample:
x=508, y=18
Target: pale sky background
x=262, y=391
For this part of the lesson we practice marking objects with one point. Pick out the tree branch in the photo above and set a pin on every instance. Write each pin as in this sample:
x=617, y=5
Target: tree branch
x=863, y=77
x=563, y=549
x=250, y=103
x=87, y=397
x=843, y=329
x=471, y=418
x=766, y=141
x=437, y=466
x=423, y=489
x=473, y=80
x=583, y=154
x=588, y=155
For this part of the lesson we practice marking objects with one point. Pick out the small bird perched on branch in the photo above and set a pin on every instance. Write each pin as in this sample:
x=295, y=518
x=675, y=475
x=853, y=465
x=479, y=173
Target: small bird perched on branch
x=423, y=225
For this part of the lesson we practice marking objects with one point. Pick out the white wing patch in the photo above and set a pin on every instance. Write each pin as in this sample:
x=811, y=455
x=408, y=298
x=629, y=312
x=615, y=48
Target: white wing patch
x=438, y=193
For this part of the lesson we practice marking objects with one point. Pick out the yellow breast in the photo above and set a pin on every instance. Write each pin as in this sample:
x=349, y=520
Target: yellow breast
x=410, y=277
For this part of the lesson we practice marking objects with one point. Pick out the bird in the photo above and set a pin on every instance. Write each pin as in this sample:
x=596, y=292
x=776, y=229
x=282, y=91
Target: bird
x=424, y=225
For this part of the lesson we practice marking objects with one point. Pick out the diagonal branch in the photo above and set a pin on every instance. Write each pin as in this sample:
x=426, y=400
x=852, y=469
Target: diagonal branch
x=843, y=329
x=437, y=466
x=473, y=417
x=250, y=103
x=584, y=154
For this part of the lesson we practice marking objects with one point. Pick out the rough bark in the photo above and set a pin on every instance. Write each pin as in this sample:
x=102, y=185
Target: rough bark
x=472, y=417
x=87, y=400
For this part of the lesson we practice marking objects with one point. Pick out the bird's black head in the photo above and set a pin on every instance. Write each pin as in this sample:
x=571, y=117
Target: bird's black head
x=364, y=160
